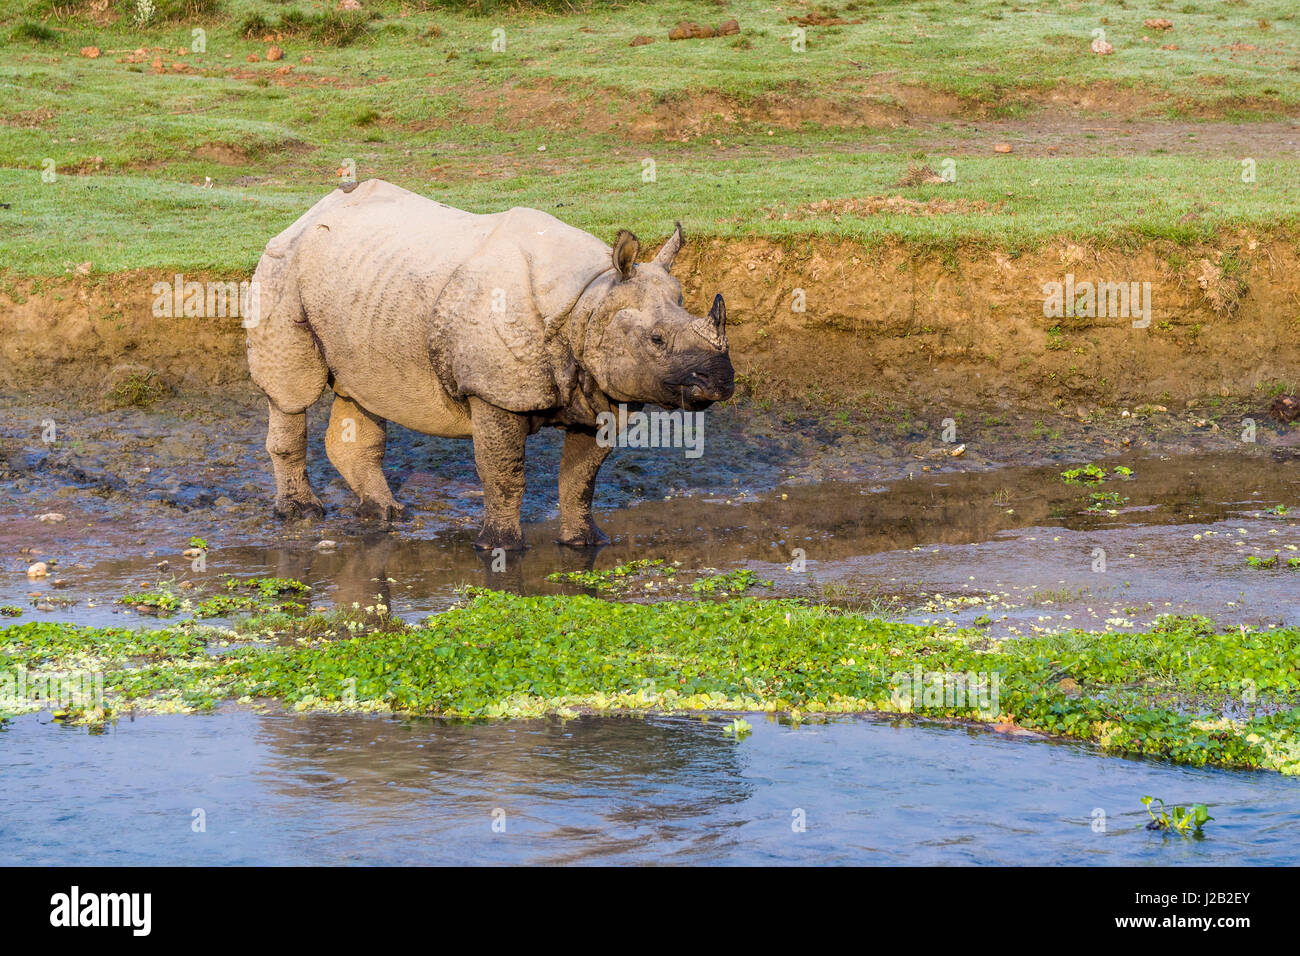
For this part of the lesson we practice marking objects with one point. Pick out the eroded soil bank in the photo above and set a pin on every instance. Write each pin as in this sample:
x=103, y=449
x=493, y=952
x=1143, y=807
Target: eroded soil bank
x=826, y=321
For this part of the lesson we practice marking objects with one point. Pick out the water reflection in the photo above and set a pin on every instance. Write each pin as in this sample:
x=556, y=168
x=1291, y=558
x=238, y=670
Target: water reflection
x=832, y=523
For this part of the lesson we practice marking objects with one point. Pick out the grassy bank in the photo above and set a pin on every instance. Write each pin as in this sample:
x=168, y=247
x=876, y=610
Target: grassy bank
x=745, y=134
x=1181, y=692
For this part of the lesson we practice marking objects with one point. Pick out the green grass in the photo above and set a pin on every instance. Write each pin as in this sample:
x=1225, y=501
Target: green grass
x=413, y=93
x=1181, y=692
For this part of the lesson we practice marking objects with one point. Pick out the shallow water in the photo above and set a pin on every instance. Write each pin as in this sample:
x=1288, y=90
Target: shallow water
x=1018, y=538
x=283, y=789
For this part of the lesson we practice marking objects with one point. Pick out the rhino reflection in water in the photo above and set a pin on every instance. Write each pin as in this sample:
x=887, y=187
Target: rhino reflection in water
x=468, y=326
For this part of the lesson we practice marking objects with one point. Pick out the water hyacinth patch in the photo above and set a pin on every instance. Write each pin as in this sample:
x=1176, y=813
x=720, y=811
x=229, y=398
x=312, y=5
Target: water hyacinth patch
x=1177, y=693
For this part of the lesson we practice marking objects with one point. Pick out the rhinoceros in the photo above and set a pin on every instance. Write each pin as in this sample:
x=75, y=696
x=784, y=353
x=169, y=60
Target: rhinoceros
x=467, y=326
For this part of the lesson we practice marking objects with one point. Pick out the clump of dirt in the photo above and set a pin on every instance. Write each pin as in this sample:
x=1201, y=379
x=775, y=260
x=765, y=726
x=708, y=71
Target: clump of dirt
x=1286, y=408
x=919, y=174
x=134, y=386
x=27, y=119
x=1221, y=284
x=689, y=30
x=821, y=18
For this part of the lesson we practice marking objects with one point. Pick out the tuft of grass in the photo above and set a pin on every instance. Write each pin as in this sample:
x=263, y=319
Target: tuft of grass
x=331, y=27
x=34, y=32
x=139, y=389
x=172, y=11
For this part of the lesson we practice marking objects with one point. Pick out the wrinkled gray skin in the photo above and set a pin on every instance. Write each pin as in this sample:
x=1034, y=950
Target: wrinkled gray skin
x=467, y=326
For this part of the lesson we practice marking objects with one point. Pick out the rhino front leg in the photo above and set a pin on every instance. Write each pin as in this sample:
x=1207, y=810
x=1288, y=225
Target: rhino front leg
x=286, y=440
x=355, y=443
x=579, y=464
x=499, y=438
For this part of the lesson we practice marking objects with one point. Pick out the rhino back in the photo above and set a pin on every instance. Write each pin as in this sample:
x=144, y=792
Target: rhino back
x=398, y=291
x=368, y=269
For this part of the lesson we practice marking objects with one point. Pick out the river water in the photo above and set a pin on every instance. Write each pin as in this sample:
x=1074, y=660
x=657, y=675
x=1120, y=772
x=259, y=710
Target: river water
x=290, y=789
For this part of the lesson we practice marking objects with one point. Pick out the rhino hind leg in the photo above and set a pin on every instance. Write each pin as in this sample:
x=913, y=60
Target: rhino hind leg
x=286, y=441
x=355, y=443
x=499, y=439
x=579, y=464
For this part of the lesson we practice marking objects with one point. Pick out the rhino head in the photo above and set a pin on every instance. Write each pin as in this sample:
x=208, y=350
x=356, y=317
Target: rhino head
x=647, y=348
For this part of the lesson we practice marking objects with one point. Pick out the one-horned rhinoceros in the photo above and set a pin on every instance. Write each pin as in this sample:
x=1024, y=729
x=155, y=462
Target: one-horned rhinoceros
x=467, y=326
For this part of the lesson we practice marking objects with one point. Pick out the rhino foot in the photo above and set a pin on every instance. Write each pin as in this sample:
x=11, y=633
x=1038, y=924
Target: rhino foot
x=508, y=539
x=371, y=510
x=291, y=509
x=588, y=537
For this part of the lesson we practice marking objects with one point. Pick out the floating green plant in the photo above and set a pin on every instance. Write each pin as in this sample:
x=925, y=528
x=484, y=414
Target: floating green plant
x=1179, y=692
x=1185, y=821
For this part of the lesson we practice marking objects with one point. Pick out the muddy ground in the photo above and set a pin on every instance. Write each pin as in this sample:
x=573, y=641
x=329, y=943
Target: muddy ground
x=889, y=519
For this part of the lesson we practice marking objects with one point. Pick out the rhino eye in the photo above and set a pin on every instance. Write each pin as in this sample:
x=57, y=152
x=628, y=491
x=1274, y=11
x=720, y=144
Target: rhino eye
x=657, y=339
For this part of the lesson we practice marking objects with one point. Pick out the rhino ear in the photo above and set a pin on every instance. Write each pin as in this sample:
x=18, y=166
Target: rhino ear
x=626, y=247
x=669, y=252
x=718, y=316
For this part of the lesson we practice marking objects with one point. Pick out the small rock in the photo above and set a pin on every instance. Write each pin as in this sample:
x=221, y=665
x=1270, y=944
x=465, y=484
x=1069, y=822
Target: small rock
x=1101, y=47
x=1002, y=148
x=1159, y=24
x=52, y=517
x=83, y=269
x=701, y=31
x=38, y=570
x=307, y=59
x=192, y=553
x=730, y=28
x=326, y=545
x=349, y=5
x=641, y=40
x=90, y=52
x=253, y=58
x=58, y=583
x=275, y=53
x=680, y=32
x=958, y=451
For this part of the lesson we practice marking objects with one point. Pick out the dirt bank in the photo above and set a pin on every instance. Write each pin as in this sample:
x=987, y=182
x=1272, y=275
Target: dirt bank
x=881, y=325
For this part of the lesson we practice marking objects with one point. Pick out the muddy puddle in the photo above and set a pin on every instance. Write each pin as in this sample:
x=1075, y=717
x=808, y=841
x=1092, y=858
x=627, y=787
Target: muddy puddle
x=239, y=788
x=1013, y=549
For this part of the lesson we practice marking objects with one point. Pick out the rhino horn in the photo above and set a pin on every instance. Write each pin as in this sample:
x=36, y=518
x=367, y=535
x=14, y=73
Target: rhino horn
x=626, y=247
x=668, y=253
x=714, y=328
